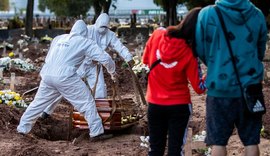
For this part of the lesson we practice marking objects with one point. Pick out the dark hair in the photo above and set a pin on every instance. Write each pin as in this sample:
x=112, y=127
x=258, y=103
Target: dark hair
x=186, y=28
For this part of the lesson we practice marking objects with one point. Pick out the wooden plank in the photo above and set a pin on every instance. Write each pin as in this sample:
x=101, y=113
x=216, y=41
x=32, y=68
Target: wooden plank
x=107, y=125
x=188, y=145
x=79, y=122
x=81, y=126
x=104, y=115
x=104, y=109
x=198, y=144
x=78, y=116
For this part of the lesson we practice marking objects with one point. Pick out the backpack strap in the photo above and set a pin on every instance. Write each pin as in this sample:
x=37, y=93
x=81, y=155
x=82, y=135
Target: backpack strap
x=154, y=64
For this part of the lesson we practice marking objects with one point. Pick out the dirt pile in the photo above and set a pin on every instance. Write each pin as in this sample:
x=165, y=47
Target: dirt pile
x=9, y=117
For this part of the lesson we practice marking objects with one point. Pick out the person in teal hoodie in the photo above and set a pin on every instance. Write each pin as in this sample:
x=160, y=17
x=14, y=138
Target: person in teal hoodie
x=225, y=109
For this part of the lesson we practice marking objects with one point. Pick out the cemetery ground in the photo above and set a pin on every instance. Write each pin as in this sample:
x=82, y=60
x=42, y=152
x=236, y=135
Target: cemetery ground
x=50, y=137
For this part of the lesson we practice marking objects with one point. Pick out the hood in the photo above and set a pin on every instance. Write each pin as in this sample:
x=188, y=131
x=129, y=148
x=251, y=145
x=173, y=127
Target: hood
x=238, y=11
x=102, y=20
x=79, y=28
x=172, y=49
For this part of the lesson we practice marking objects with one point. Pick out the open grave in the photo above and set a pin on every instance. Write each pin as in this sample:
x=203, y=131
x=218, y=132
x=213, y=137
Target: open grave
x=53, y=136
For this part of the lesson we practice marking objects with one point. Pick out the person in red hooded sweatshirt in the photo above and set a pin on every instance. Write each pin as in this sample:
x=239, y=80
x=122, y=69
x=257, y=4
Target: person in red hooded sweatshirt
x=168, y=93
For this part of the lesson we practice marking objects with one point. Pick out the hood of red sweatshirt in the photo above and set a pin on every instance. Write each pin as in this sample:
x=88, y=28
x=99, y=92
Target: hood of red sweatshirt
x=172, y=49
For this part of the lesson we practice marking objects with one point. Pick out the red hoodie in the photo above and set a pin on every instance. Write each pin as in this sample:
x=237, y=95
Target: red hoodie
x=168, y=81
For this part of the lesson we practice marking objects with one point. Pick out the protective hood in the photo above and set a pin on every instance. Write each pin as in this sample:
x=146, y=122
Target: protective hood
x=102, y=23
x=79, y=28
x=238, y=11
x=102, y=20
x=172, y=49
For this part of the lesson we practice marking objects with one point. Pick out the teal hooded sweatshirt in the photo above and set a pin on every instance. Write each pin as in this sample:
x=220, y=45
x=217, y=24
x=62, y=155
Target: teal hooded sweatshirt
x=248, y=36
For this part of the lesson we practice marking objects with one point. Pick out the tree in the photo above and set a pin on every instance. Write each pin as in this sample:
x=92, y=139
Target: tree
x=97, y=9
x=195, y=3
x=4, y=5
x=170, y=9
x=106, y=5
x=74, y=8
x=29, y=18
x=71, y=8
x=99, y=6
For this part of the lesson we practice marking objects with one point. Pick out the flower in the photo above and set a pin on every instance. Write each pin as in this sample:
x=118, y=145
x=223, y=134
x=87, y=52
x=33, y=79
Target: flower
x=17, y=97
x=9, y=103
x=18, y=63
x=199, y=137
x=144, y=141
x=11, y=54
x=12, y=99
x=22, y=43
x=5, y=61
x=139, y=67
x=23, y=65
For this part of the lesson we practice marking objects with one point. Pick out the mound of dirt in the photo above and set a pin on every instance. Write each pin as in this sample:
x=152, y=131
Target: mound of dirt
x=9, y=116
x=33, y=150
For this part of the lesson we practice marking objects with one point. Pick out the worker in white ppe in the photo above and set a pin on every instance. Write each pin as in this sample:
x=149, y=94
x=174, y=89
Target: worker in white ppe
x=59, y=78
x=105, y=38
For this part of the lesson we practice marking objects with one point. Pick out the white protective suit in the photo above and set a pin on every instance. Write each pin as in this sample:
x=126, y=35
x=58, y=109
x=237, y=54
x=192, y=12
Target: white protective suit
x=59, y=78
x=104, y=37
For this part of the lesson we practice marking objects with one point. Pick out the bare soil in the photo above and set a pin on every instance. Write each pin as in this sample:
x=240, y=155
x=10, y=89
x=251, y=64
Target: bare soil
x=50, y=137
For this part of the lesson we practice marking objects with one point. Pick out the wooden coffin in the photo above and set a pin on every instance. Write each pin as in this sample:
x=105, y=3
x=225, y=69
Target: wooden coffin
x=122, y=117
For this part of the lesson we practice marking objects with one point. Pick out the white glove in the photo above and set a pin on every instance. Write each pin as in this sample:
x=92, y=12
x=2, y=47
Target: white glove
x=114, y=76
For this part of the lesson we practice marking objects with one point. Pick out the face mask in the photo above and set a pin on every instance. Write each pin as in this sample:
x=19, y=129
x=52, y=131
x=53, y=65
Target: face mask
x=102, y=30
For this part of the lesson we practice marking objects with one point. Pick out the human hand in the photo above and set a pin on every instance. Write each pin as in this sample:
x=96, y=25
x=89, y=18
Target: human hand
x=114, y=77
x=204, y=77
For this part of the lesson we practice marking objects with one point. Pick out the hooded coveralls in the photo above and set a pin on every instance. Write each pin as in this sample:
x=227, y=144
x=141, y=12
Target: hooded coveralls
x=105, y=38
x=59, y=78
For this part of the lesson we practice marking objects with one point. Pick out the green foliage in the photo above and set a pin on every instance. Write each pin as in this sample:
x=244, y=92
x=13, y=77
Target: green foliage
x=201, y=151
x=15, y=23
x=71, y=8
x=170, y=8
x=4, y=5
x=99, y=6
